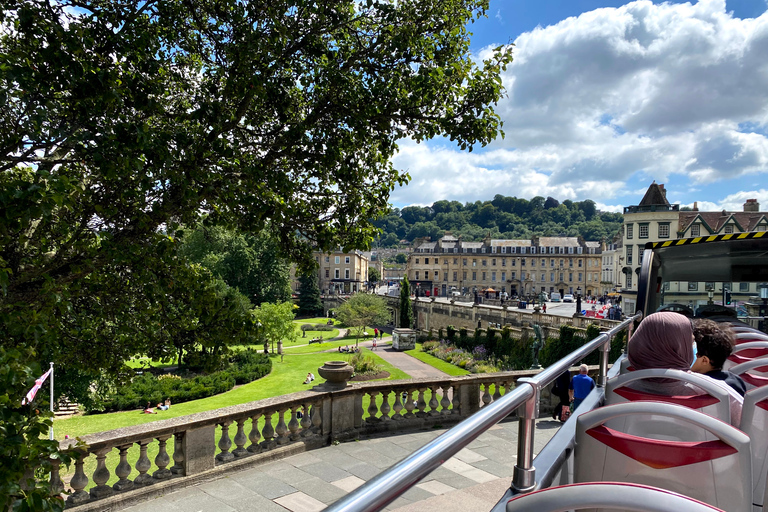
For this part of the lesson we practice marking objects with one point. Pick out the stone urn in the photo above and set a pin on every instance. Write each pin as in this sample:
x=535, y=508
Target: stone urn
x=336, y=374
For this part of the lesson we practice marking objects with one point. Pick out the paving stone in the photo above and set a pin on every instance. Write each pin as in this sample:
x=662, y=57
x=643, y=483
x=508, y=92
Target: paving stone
x=320, y=490
x=469, y=471
x=392, y=450
x=349, y=484
x=456, y=480
x=398, y=503
x=417, y=494
x=495, y=468
x=290, y=475
x=364, y=470
x=201, y=502
x=303, y=459
x=232, y=493
x=469, y=456
x=435, y=487
x=264, y=485
x=300, y=502
x=326, y=471
x=338, y=458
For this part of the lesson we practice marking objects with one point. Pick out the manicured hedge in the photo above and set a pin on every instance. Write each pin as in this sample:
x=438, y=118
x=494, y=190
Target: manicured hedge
x=244, y=367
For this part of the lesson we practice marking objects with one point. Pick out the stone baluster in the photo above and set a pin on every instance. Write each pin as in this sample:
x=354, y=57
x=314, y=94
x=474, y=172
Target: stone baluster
x=225, y=443
x=254, y=436
x=456, y=405
x=293, y=424
x=317, y=417
x=282, y=429
x=486, y=394
x=398, y=407
x=497, y=391
x=178, y=454
x=162, y=460
x=57, y=486
x=509, y=386
x=385, y=405
x=306, y=420
x=445, y=401
x=268, y=433
x=143, y=464
x=123, y=470
x=422, y=404
x=373, y=409
x=409, y=405
x=433, y=404
x=79, y=482
x=240, y=439
x=101, y=474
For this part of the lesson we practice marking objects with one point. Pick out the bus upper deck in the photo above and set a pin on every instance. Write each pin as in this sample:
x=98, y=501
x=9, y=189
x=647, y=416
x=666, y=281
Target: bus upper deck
x=684, y=447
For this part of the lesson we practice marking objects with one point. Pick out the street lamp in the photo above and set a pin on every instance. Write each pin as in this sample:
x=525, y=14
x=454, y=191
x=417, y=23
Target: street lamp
x=710, y=294
x=578, y=300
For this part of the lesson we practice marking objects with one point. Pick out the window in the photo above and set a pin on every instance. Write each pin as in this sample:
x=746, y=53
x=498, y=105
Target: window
x=463, y=261
x=327, y=259
x=493, y=262
x=629, y=254
x=327, y=273
x=543, y=277
x=485, y=263
x=417, y=261
x=570, y=263
x=503, y=276
x=570, y=250
x=552, y=250
x=426, y=274
x=513, y=276
x=561, y=276
x=445, y=276
x=581, y=263
x=629, y=231
x=346, y=259
x=533, y=262
x=629, y=280
x=696, y=230
x=579, y=276
x=474, y=276
x=346, y=273
x=474, y=263
x=514, y=263
x=417, y=274
x=493, y=276
x=729, y=229
x=562, y=262
x=445, y=261
x=642, y=231
x=552, y=263
x=552, y=277
x=337, y=260
x=464, y=276
x=522, y=275
x=503, y=250
x=483, y=276
x=503, y=262
x=693, y=287
x=455, y=276
x=743, y=287
x=493, y=249
x=482, y=250
x=455, y=261
x=663, y=230
x=336, y=273
x=570, y=276
x=543, y=262
x=522, y=262
x=426, y=261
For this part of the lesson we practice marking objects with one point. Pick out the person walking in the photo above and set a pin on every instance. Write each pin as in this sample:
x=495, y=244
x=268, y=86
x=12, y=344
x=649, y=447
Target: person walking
x=580, y=387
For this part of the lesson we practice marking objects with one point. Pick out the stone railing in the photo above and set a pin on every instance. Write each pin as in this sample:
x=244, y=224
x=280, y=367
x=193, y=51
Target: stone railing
x=263, y=430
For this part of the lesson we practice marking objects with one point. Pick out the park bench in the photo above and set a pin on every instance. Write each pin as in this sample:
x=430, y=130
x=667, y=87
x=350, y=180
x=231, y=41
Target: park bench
x=316, y=340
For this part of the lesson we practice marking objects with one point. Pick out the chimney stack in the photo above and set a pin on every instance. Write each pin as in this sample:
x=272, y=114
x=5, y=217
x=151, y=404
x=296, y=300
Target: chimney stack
x=751, y=205
x=663, y=190
x=695, y=206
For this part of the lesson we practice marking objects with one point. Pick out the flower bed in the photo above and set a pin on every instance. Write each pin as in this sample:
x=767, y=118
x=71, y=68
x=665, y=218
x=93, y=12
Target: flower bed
x=476, y=361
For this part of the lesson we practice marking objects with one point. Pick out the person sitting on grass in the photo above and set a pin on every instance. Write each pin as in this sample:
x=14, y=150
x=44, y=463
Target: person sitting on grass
x=308, y=379
x=164, y=406
x=148, y=409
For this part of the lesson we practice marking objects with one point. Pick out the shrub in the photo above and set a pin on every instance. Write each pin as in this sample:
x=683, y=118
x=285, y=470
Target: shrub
x=451, y=333
x=440, y=334
x=307, y=327
x=364, y=365
x=322, y=327
x=429, y=345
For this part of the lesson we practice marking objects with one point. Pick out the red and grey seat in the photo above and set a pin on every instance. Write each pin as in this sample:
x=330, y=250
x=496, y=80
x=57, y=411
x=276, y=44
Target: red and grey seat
x=606, y=495
x=717, y=472
x=754, y=372
x=754, y=423
x=714, y=400
x=746, y=352
x=749, y=335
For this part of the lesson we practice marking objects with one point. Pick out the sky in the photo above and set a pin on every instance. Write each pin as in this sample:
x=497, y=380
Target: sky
x=604, y=97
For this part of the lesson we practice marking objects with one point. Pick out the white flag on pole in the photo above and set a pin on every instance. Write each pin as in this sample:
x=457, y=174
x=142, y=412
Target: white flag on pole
x=32, y=392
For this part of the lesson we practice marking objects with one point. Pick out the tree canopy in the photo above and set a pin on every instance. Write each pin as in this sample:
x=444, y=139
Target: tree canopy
x=123, y=121
x=363, y=310
x=310, y=303
x=406, y=309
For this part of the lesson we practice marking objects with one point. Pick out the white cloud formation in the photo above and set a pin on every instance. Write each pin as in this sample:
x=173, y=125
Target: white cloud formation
x=601, y=104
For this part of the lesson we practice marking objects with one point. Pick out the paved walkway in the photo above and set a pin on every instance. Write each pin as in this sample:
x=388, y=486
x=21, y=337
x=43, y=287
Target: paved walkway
x=472, y=481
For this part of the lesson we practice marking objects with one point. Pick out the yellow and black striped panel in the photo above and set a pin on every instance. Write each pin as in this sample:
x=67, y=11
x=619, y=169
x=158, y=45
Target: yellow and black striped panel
x=705, y=239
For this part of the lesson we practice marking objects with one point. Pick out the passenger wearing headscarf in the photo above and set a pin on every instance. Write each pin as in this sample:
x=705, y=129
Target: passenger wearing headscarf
x=665, y=340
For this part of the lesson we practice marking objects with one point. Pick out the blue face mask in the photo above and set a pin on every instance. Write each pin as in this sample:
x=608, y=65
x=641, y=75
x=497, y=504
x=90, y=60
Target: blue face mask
x=694, y=353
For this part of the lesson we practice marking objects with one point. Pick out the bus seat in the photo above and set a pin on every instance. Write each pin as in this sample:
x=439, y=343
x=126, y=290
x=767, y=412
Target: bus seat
x=751, y=335
x=754, y=423
x=746, y=352
x=715, y=401
x=605, y=495
x=754, y=372
x=624, y=366
x=718, y=472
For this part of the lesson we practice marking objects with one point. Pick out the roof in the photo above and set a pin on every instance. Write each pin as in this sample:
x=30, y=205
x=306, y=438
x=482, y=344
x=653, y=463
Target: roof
x=472, y=245
x=510, y=243
x=715, y=221
x=592, y=244
x=654, y=196
x=558, y=241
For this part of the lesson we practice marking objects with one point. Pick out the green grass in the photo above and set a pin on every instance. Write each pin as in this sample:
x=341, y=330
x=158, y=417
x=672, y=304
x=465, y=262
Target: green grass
x=436, y=362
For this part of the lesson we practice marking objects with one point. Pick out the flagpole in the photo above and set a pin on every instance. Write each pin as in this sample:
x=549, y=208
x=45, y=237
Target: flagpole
x=51, y=431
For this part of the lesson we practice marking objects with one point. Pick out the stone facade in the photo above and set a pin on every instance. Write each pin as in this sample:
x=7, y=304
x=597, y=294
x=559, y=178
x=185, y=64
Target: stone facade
x=518, y=267
x=342, y=272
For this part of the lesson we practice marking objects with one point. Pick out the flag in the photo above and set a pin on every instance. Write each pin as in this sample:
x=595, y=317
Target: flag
x=32, y=392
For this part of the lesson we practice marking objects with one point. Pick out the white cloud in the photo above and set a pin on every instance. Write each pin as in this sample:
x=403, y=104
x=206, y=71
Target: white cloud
x=601, y=104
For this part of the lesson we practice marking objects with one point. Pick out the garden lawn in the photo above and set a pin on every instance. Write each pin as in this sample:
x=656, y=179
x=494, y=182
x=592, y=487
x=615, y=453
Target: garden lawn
x=286, y=377
x=436, y=362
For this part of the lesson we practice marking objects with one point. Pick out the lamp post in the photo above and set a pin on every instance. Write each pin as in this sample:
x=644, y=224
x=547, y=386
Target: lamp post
x=578, y=300
x=710, y=294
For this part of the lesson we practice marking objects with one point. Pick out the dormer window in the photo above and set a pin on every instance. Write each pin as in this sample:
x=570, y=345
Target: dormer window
x=729, y=229
x=696, y=230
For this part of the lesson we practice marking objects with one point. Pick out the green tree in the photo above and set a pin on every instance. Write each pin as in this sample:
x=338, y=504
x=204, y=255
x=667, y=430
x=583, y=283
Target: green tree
x=310, y=303
x=276, y=321
x=401, y=258
x=406, y=310
x=122, y=121
x=361, y=310
x=373, y=275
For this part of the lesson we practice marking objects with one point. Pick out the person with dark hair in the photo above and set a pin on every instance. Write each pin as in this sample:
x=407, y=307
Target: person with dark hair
x=714, y=343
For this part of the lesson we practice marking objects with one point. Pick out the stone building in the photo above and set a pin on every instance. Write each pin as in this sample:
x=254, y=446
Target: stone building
x=338, y=272
x=517, y=267
x=654, y=219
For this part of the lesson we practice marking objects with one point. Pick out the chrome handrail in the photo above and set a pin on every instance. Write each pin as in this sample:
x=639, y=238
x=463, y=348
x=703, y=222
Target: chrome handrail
x=378, y=492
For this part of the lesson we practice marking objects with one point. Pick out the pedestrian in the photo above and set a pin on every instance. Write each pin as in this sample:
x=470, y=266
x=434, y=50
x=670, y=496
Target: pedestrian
x=375, y=332
x=381, y=334
x=373, y=347
x=544, y=308
x=560, y=390
x=580, y=386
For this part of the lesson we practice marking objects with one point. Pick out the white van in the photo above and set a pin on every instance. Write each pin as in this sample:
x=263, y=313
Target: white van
x=555, y=297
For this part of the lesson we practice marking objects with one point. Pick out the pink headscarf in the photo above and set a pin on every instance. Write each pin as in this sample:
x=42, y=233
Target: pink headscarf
x=662, y=340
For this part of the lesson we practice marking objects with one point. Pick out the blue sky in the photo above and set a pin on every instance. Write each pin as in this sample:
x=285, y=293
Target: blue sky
x=604, y=97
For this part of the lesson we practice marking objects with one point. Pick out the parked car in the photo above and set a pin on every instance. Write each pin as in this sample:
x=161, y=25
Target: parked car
x=554, y=297
x=568, y=297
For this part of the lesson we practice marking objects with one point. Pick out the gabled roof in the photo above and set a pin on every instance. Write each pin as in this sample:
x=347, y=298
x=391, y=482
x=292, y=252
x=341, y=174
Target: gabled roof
x=654, y=196
x=715, y=221
x=558, y=241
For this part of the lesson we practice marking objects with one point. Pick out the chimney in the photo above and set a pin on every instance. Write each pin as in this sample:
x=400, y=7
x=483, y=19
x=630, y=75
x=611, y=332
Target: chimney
x=663, y=190
x=751, y=205
x=695, y=206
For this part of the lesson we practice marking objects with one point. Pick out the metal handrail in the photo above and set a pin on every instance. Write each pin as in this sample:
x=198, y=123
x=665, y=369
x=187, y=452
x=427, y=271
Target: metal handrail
x=390, y=484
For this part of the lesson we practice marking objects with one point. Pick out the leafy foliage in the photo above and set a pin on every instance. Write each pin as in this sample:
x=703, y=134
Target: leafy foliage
x=364, y=364
x=361, y=310
x=373, y=275
x=406, y=309
x=25, y=450
x=310, y=303
x=276, y=323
